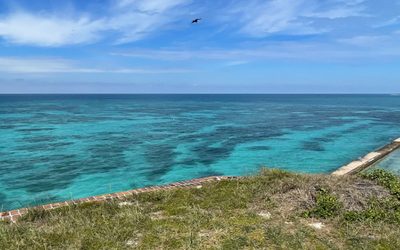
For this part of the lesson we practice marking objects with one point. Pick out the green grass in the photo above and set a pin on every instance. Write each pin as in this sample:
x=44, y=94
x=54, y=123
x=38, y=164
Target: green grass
x=271, y=210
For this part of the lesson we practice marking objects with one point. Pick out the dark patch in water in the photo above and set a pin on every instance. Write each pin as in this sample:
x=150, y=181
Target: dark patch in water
x=7, y=127
x=259, y=148
x=61, y=170
x=313, y=146
x=229, y=137
x=209, y=155
x=34, y=129
x=53, y=146
x=80, y=137
x=134, y=185
x=189, y=162
x=53, y=179
x=161, y=158
x=356, y=129
x=211, y=173
x=44, y=138
x=104, y=162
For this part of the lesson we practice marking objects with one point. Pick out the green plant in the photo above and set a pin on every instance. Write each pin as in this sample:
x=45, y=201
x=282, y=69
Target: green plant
x=326, y=205
x=385, y=179
x=378, y=210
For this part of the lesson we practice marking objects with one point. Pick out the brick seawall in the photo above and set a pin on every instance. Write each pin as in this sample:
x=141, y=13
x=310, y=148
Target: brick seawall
x=14, y=215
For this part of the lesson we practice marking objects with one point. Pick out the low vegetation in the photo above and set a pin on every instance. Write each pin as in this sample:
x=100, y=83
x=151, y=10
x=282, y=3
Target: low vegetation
x=274, y=209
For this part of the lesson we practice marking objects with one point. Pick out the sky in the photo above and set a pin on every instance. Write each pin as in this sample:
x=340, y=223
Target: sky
x=239, y=46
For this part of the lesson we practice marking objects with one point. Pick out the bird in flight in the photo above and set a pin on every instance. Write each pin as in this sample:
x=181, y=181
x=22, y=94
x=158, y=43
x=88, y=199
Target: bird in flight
x=196, y=20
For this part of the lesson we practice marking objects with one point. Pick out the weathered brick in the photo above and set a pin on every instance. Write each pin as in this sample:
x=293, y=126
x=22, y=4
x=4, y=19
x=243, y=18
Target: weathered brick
x=15, y=214
x=48, y=206
x=6, y=218
x=5, y=214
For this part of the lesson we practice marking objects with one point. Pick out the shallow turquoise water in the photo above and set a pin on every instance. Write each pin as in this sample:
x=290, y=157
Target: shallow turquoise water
x=57, y=147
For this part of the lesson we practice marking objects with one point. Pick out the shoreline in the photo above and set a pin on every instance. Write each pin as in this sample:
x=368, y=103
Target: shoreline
x=349, y=169
x=368, y=160
x=14, y=215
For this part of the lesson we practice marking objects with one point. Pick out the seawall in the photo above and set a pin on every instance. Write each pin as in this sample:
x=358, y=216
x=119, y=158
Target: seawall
x=14, y=215
x=368, y=160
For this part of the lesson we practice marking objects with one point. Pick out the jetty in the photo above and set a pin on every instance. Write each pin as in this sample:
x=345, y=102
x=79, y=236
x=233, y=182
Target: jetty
x=368, y=160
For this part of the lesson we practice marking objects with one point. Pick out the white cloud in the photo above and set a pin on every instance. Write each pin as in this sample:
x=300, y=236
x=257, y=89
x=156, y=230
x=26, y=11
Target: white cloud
x=55, y=66
x=25, y=28
x=18, y=65
x=236, y=63
x=130, y=19
x=260, y=18
x=365, y=41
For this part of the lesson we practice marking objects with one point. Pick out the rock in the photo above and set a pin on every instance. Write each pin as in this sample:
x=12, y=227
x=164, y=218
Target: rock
x=317, y=225
x=131, y=243
x=265, y=215
x=125, y=203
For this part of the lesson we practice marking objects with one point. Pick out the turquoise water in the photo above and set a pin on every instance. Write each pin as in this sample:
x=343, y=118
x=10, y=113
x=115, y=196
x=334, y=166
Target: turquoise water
x=57, y=147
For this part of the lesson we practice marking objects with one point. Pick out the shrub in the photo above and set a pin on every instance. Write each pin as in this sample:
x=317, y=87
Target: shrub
x=326, y=205
x=385, y=179
x=378, y=210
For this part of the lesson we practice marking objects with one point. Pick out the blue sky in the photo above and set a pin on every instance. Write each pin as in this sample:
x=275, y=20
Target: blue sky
x=248, y=46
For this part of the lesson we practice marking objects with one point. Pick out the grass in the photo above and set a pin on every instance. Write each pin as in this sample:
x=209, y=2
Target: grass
x=271, y=210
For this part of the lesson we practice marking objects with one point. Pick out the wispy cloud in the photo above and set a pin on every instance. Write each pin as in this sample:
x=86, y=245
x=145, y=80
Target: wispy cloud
x=126, y=21
x=236, y=63
x=130, y=19
x=260, y=18
x=345, y=49
x=135, y=19
x=366, y=41
x=55, y=66
x=337, y=9
x=390, y=22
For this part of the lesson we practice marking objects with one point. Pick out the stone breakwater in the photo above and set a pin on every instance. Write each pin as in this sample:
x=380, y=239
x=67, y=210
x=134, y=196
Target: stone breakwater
x=368, y=160
x=14, y=215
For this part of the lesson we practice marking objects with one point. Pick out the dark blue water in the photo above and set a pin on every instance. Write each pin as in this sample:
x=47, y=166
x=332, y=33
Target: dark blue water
x=57, y=147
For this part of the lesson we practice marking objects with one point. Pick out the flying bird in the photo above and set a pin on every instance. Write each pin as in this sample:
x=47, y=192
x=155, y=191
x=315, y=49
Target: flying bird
x=196, y=20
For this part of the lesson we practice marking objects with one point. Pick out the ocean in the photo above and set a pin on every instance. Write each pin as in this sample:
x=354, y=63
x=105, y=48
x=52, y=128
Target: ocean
x=58, y=147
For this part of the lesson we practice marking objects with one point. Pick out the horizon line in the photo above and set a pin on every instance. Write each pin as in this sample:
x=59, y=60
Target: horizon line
x=218, y=93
